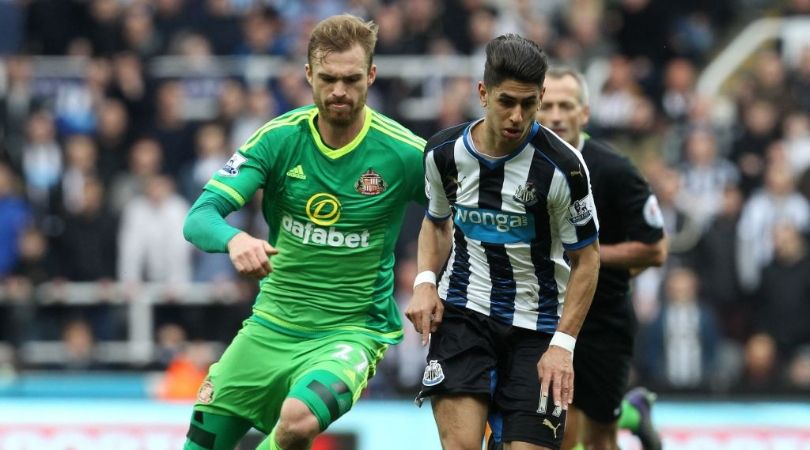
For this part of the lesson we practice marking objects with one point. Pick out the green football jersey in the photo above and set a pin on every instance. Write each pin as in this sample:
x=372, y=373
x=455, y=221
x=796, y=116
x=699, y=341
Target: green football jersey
x=334, y=217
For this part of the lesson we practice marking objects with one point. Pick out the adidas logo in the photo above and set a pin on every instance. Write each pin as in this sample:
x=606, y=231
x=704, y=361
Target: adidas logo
x=297, y=172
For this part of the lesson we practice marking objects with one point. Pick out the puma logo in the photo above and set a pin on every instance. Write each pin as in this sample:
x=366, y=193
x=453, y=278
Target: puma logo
x=548, y=423
x=575, y=173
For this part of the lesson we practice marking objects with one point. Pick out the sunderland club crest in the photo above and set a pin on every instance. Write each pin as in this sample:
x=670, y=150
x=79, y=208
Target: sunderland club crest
x=370, y=183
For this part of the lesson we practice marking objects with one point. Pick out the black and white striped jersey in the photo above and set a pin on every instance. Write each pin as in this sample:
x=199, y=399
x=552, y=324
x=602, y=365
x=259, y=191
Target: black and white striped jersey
x=513, y=219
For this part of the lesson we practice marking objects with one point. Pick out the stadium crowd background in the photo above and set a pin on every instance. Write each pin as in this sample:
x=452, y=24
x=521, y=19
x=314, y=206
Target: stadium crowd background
x=98, y=171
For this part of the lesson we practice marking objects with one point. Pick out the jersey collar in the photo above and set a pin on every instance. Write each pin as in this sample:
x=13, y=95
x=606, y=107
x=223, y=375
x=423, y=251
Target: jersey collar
x=346, y=149
x=492, y=163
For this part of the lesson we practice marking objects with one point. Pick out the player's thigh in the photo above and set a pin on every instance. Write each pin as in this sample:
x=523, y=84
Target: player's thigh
x=573, y=427
x=332, y=373
x=460, y=419
x=601, y=374
x=517, y=396
x=250, y=380
x=462, y=358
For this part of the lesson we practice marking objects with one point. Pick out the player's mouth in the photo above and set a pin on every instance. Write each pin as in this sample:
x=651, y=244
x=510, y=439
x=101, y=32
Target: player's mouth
x=512, y=133
x=338, y=106
x=558, y=131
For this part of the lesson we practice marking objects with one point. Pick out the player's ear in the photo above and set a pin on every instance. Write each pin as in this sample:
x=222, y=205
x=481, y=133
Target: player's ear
x=586, y=114
x=482, y=94
x=308, y=73
x=372, y=74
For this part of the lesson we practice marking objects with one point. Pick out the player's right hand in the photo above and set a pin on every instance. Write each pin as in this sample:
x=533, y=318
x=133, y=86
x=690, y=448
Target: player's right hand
x=251, y=256
x=425, y=310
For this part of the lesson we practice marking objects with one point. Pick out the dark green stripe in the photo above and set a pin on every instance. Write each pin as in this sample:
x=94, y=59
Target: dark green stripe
x=198, y=416
x=326, y=397
x=204, y=439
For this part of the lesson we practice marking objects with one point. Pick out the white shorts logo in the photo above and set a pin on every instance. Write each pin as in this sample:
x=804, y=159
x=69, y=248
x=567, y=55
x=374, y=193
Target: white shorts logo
x=652, y=212
x=433, y=374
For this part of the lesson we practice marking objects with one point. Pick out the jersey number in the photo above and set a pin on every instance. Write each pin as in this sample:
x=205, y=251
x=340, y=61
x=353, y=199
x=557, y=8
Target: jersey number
x=343, y=354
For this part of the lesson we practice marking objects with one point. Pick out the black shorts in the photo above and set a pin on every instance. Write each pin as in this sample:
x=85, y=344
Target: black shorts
x=603, y=357
x=471, y=353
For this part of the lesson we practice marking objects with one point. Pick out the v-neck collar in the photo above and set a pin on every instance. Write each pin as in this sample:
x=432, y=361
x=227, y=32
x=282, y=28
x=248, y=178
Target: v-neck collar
x=492, y=163
x=346, y=149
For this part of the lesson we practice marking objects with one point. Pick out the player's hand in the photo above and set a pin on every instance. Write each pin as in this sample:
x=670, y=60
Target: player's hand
x=556, y=370
x=251, y=256
x=425, y=310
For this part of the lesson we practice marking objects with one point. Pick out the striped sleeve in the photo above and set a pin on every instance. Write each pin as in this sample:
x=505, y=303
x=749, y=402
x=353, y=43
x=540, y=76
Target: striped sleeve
x=572, y=209
x=438, y=205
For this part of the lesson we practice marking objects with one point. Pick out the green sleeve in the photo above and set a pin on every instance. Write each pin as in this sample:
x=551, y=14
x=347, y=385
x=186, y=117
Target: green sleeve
x=205, y=225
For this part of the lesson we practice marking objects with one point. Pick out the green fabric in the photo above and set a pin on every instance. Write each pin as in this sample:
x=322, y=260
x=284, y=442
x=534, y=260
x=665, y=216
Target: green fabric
x=210, y=431
x=262, y=367
x=326, y=395
x=205, y=226
x=579, y=446
x=630, y=417
x=269, y=443
x=334, y=215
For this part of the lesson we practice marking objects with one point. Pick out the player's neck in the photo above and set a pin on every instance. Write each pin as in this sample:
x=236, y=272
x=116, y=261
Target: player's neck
x=336, y=136
x=487, y=143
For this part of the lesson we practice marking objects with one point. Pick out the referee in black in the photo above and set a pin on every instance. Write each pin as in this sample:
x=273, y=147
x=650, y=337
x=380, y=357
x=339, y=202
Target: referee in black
x=631, y=239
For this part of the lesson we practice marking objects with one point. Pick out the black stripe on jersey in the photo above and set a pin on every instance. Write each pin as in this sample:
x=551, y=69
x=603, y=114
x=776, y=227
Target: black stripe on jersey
x=460, y=275
x=541, y=173
x=575, y=174
x=442, y=144
x=501, y=275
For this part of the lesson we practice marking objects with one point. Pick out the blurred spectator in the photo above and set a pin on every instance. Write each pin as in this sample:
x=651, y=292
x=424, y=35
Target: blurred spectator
x=260, y=109
x=761, y=372
x=145, y=161
x=50, y=25
x=715, y=262
x=11, y=26
x=88, y=244
x=783, y=302
x=14, y=217
x=139, y=35
x=704, y=176
x=777, y=202
x=79, y=347
x=261, y=33
x=41, y=160
x=681, y=345
x=760, y=120
x=150, y=239
x=171, y=339
x=112, y=138
x=679, y=89
x=80, y=164
x=170, y=128
x=102, y=30
x=186, y=372
x=221, y=26
x=16, y=104
x=797, y=141
x=129, y=85
x=613, y=104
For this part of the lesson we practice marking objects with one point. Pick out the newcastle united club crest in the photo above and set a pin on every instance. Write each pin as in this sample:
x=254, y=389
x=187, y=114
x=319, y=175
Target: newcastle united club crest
x=526, y=194
x=370, y=183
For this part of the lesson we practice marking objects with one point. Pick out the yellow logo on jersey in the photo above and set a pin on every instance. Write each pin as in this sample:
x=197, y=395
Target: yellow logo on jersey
x=297, y=172
x=323, y=209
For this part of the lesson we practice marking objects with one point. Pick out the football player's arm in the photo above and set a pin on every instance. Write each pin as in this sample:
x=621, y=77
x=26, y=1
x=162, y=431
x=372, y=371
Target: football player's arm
x=646, y=244
x=425, y=310
x=634, y=255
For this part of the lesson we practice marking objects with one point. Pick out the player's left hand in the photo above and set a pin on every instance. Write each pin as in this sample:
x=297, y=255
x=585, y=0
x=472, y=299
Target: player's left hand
x=556, y=370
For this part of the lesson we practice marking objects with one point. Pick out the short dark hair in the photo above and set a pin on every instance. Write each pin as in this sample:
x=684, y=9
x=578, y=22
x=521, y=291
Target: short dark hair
x=511, y=56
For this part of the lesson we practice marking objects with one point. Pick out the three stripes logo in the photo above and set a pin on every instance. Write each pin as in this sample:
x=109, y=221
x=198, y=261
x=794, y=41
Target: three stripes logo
x=297, y=172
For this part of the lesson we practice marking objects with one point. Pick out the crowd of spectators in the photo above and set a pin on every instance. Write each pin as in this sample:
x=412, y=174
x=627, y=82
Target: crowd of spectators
x=97, y=170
